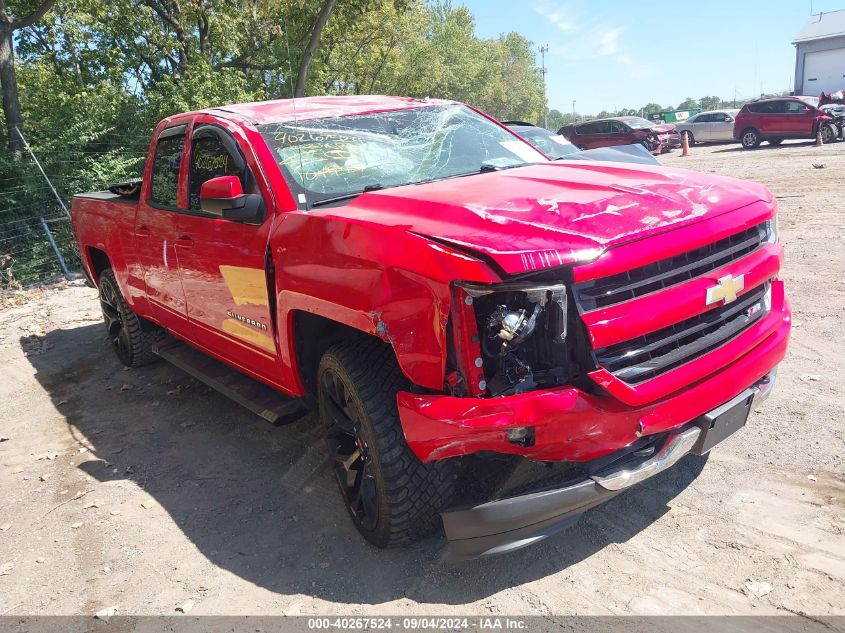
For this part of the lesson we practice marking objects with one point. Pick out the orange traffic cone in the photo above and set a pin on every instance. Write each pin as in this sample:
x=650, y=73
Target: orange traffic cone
x=819, y=137
x=684, y=144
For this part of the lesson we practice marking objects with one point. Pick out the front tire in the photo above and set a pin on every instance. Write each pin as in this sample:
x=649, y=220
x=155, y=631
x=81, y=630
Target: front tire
x=750, y=138
x=775, y=141
x=131, y=337
x=393, y=498
x=690, y=139
x=828, y=133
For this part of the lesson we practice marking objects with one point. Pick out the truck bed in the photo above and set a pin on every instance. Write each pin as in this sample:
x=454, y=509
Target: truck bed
x=107, y=196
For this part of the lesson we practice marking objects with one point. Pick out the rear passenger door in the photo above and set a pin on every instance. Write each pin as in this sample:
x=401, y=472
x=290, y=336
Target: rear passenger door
x=772, y=118
x=618, y=134
x=223, y=261
x=601, y=134
x=162, y=198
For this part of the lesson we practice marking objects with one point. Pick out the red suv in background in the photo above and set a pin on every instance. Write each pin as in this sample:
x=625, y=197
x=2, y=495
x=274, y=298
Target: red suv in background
x=774, y=120
x=625, y=130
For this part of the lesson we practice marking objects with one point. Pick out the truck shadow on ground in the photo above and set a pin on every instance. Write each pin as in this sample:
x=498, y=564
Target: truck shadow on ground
x=259, y=501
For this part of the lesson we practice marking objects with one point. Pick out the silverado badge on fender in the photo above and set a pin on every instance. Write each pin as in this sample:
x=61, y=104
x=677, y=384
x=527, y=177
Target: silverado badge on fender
x=247, y=320
x=726, y=290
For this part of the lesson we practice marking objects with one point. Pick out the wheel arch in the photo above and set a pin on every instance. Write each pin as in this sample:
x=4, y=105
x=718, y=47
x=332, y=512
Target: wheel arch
x=98, y=261
x=312, y=335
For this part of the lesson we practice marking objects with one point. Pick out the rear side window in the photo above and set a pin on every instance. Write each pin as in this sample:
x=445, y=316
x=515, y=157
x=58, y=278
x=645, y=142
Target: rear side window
x=213, y=154
x=165, y=178
x=767, y=107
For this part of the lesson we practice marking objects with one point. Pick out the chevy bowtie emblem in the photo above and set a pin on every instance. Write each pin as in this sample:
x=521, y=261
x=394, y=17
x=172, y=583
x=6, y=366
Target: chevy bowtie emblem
x=726, y=290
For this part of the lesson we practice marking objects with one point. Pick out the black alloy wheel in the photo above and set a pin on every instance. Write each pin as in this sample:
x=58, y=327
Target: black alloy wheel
x=350, y=454
x=393, y=498
x=132, y=338
x=110, y=302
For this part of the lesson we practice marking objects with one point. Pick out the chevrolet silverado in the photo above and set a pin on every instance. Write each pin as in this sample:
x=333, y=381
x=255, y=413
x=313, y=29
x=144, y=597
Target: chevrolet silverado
x=493, y=341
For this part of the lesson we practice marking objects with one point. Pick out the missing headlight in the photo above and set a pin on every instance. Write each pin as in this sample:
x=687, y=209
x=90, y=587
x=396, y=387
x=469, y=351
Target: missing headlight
x=522, y=332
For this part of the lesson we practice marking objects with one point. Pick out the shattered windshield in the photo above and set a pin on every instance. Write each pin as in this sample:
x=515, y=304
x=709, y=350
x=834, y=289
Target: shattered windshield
x=325, y=159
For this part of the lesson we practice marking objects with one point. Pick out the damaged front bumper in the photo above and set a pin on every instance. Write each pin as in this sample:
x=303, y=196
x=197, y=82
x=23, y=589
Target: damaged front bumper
x=508, y=524
x=568, y=424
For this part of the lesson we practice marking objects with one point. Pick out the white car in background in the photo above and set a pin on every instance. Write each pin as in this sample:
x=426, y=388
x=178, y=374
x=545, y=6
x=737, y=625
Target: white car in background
x=713, y=126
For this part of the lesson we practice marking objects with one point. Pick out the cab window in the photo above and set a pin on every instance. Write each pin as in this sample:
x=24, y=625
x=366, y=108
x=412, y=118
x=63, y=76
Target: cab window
x=164, y=186
x=214, y=153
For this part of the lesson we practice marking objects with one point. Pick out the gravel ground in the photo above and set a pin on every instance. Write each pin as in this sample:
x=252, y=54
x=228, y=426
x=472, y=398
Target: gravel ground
x=142, y=490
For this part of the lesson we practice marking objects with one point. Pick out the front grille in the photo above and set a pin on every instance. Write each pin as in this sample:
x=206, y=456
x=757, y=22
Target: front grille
x=600, y=293
x=648, y=356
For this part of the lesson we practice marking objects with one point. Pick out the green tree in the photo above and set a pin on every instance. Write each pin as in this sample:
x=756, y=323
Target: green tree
x=688, y=104
x=9, y=25
x=709, y=103
x=556, y=120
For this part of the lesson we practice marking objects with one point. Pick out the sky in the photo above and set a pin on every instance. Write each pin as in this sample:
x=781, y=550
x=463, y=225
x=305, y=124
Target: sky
x=610, y=54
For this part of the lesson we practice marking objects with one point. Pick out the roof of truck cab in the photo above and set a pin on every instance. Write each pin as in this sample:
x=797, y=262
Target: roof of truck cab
x=304, y=108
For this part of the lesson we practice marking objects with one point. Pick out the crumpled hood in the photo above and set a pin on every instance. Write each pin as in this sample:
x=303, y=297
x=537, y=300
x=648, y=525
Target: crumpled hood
x=663, y=128
x=553, y=214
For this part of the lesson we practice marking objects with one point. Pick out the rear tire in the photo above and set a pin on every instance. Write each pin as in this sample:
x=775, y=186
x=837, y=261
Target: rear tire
x=775, y=141
x=393, y=498
x=132, y=337
x=750, y=138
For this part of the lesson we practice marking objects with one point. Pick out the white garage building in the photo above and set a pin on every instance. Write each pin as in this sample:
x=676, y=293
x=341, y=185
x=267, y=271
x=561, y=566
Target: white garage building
x=820, y=54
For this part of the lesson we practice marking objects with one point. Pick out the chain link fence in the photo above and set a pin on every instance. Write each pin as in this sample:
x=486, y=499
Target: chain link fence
x=37, y=248
x=36, y=239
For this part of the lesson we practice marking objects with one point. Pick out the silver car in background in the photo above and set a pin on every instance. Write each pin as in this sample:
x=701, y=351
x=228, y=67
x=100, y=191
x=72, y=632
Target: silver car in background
x=713, y=126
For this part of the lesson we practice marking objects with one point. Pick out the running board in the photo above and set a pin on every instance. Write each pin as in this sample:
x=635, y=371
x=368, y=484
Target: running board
x=247, y=392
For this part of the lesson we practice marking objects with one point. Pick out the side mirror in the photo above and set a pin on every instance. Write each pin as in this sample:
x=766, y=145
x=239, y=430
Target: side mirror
x=224, y=197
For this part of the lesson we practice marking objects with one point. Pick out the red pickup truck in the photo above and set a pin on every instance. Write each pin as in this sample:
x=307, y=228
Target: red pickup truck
x=493, y=340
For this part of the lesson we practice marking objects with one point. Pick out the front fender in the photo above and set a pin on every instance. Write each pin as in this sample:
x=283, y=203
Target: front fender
x=378, y=279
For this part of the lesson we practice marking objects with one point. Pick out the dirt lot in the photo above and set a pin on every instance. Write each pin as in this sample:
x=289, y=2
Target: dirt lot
x=143, y=490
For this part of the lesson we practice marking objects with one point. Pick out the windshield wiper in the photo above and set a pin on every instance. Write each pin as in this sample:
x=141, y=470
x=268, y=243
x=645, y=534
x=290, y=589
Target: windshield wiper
x=346, y=196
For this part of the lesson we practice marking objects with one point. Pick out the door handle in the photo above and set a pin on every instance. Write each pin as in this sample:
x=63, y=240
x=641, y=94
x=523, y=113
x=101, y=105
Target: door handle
x=142, y=231
x=184, y=241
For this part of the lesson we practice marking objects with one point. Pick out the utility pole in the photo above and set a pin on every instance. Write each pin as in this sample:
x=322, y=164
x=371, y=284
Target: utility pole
x=573, y=110
x=543, y=50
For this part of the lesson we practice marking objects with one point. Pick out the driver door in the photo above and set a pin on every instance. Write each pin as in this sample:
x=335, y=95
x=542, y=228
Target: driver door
x=702, y=129
x=222, y=262
x=799, y=119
